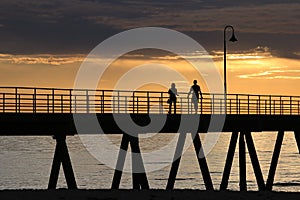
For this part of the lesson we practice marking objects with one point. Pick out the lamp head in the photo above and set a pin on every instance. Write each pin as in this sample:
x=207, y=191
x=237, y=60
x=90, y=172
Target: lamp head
x=233, y=38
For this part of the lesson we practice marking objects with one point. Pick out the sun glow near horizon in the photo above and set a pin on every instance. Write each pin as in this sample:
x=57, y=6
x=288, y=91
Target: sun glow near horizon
x=247, y=72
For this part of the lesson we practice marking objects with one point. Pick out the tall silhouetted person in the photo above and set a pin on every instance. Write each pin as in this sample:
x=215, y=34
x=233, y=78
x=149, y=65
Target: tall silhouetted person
x=172, y=98
x=195, y=91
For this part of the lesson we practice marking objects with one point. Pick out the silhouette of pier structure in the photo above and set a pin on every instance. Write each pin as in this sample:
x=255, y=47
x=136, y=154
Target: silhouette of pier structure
x=47, y=111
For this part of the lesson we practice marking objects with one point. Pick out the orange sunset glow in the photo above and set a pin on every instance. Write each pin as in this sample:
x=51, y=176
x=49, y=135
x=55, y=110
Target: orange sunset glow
x=251, y=73
x=44, y=46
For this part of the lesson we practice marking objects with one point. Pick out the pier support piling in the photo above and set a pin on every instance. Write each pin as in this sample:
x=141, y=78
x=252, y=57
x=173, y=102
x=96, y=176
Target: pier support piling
x=139, y=178
x=274, y=161
x=120, y=162
x=61, y=156
x=297, y=137
x=254, y=160
x=229, y=160
x=244, y=138
x=242, y=162
x=176, y=161
x=202, y=161
x=200, y=158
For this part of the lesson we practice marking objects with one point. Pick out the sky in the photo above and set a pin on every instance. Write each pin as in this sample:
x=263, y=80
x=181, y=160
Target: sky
x=43, y=43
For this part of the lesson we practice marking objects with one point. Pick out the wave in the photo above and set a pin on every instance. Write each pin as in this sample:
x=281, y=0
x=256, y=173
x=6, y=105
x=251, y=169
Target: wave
x=177, y=179
x=286, y=184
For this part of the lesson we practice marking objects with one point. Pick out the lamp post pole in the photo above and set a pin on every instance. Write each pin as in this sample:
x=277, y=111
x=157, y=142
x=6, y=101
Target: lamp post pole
x=232, y=39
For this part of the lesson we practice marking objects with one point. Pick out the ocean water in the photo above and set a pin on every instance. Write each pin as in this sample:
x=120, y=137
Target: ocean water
x=25, y=163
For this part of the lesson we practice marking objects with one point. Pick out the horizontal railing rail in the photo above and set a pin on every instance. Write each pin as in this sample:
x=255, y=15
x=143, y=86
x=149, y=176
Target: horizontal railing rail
x=57, y=100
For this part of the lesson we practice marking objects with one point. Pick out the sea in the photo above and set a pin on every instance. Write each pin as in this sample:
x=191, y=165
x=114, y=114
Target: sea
x=25, y=162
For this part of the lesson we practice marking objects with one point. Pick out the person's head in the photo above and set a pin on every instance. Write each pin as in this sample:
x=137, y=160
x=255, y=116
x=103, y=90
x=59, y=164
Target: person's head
x=195, y=82
x=173, y=85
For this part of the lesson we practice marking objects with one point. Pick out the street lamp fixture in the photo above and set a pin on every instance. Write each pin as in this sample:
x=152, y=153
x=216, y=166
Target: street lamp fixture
x=232, y=39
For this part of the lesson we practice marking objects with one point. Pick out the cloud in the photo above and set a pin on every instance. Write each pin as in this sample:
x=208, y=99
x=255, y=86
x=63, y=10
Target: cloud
x=41, y=59
x=297, y=53
x=77, y=26
x=254, y=55
x=273, y=74
x=145, y=54
x=254, y=18
x=257, y=53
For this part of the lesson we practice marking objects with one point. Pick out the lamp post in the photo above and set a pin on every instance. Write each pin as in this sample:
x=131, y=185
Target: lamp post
x=232, y=39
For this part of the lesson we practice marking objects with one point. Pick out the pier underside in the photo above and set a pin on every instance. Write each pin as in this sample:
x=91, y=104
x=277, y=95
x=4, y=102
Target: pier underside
x=63, y=123
x=59, y=125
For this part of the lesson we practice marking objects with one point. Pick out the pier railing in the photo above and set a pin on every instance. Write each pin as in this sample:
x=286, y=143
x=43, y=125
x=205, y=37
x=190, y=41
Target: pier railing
x=52, y=100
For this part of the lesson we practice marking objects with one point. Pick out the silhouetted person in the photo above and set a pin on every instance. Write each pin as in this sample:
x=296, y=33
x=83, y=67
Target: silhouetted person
x=172, y=98
x=195, y=91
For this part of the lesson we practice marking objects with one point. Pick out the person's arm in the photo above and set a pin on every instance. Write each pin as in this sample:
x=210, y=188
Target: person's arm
x=200, y=93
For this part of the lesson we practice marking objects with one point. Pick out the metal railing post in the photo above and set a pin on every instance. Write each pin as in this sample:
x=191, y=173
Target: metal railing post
x=265, y=107
x=113, y=104
x=102, y=103
x=118, y=102
x=213, y=104
x=70, y=99
x=201, y=104
x=280, y=105
x=16, y=100
x=148, y=103
x=270, y=102
x=229, y=106
x=137, y=105
x=87, y=101
x=259, y=104
x=61, y=103
x=19, y=103
x=133, y=103
x=248, y=104
x=161, y=103
x=237, y=103
x=3, y=102
x=291, y=103
x=34, y=100
x=256, y=107
x=126, y=105
x=274, y=107
x=75, y=103
x=53, y=101
x=48, y=103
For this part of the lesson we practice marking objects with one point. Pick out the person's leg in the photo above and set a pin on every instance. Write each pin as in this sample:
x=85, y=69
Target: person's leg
x=174, y=106
x=170, y=105
x=196, y=106
x=195, y=102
